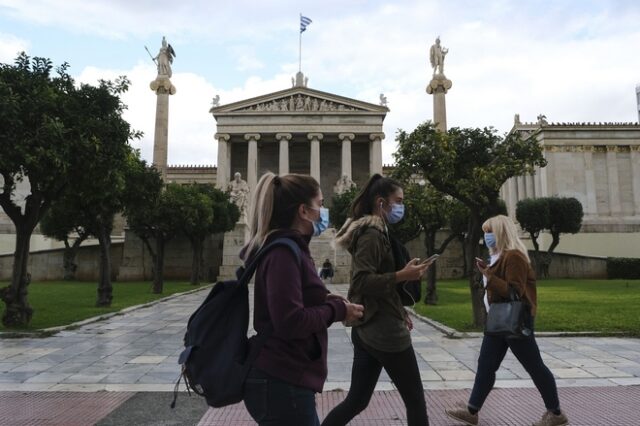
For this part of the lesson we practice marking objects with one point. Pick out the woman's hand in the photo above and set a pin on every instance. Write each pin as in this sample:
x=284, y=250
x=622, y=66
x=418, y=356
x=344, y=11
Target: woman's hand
x=409, y=322
x=354, y=311
x=482, y=267
x=413, y=271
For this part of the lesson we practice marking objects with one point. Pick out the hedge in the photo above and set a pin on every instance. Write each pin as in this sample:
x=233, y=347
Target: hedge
x=623, y=267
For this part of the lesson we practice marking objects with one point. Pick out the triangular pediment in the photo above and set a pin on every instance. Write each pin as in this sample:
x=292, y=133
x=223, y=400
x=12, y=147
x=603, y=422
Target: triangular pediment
x=299, y=100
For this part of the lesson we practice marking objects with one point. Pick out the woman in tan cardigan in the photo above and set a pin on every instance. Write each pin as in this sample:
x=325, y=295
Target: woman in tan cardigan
x=509, y=267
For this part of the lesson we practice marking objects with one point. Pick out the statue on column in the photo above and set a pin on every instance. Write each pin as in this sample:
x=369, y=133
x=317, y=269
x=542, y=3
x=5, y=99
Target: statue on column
x=343, y=185
x=165, y=58
x=436, y=57
x=239, y=194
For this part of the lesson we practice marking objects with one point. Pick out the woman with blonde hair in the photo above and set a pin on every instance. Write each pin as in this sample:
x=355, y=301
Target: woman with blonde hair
x=509, y=268
x=292, y=306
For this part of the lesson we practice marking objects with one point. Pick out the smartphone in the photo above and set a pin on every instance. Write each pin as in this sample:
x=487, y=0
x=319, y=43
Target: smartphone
x=430, y=259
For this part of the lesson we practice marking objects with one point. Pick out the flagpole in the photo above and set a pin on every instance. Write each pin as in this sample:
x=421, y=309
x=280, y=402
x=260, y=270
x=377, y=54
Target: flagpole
x=300, y=49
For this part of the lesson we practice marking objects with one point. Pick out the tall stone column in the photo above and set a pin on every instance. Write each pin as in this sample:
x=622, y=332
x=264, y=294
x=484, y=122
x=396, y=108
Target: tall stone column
x=615, y=205
x=284, y=139
x=522, y=189
x=345, y=169
x=438, y=87
x=252, y=160
x=635, y=177
x=512, y=199
x=591, y=209
x=163, y=88
x=375, y=152
x=315, y=139
x=528, y=183
x=222, y=176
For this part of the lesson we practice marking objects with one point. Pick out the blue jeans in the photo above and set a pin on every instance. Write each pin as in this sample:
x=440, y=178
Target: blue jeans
x=492, y=352
x=272, y=402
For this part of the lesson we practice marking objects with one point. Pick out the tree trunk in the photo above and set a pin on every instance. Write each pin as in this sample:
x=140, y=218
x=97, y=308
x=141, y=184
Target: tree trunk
x=431, y=296
x=475, y=278
x=69, y=257
x=197, y=245
x=105, y=289
x=17, y=312
x=158, y=265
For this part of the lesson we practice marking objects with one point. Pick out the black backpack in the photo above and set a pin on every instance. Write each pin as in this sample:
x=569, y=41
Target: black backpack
x=216, y=358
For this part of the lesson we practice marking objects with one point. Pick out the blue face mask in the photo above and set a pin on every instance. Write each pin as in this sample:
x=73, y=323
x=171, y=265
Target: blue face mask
x=490, y=239
x=320, y=225
x=396, y=214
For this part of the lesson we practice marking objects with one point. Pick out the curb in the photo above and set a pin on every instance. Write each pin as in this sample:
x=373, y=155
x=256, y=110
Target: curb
x=455, y=334
x=47, y=332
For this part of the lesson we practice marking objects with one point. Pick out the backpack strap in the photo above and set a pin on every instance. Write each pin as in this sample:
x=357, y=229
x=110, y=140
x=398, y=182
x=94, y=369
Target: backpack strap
x=245, y=275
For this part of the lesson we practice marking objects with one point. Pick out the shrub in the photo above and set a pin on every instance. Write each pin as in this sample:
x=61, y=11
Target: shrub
x=623, y=267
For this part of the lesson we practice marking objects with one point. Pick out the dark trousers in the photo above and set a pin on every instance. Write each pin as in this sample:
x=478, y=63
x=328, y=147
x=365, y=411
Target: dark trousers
x=401, y=367
x=272, y=402
x=492, y=352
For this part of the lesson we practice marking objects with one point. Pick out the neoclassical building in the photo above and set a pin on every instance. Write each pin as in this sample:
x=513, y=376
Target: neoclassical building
x=596, y=163
x=299, y=130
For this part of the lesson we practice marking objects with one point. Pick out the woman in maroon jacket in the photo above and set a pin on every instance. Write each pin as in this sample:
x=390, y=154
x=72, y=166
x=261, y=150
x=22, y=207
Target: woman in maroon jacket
x=290, y=297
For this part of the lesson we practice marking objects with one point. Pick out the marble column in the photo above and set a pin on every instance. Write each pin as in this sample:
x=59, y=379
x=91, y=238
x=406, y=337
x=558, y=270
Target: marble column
x=163, y=88
x=537, y=186
x=345, y=169
x=252, y=159
x=591, y=209
x=284, y=139
x=635, y=177
x=315, y=139
x=375, y=153
x=522, y=191
x=438, y=87
x=223, y=172
x=615, y=205
x=528, y=182
x=512, y=199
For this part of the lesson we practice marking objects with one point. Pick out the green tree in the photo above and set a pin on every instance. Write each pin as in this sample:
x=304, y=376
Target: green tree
x=427, y=210
x=340, y=205
x=470, y=165
x=151, y=214
x=61, y=224
x=37, y=144
x=558, y=215
x=199, y=205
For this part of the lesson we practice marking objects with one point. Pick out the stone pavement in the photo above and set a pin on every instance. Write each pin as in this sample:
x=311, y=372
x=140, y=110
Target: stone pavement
x=134, y=357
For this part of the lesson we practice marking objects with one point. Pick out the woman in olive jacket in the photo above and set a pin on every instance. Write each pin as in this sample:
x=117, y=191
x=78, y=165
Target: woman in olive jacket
x=509, y=267
x=381, y=338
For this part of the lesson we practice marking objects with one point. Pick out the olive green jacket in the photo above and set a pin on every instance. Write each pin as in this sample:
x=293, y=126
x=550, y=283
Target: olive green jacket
x=373, y=284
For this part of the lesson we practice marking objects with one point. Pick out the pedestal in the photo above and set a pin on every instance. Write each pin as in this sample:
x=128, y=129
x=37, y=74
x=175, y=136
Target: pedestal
x=234, y=241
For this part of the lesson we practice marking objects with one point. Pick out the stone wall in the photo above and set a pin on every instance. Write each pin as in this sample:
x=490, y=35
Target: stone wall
x=46, y=265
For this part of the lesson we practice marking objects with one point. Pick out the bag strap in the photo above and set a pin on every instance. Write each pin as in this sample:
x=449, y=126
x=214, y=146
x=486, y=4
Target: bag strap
x=245, y=273
x=245, y=277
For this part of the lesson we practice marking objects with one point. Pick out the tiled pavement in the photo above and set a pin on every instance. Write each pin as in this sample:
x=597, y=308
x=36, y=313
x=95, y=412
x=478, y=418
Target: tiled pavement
x=137, y=352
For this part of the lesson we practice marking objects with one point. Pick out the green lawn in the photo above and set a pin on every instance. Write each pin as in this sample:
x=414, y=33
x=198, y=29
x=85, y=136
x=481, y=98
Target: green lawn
x=64, y=302
x=563, y=305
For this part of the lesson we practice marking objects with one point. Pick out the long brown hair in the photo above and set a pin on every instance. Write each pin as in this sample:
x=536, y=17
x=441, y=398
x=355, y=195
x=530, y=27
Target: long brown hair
x=377, y=186
x=275, y=204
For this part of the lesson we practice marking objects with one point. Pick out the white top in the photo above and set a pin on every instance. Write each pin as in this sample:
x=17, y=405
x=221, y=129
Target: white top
x=494, y=259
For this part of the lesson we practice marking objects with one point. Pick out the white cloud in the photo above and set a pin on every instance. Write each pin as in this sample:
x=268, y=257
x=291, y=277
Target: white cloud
x=10, y=46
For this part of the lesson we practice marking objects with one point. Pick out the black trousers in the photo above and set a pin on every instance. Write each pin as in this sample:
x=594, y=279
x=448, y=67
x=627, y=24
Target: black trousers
x=492, y=352
x=402, y=368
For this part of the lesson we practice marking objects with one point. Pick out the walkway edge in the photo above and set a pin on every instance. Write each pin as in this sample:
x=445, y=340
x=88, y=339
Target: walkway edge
x=46, y=332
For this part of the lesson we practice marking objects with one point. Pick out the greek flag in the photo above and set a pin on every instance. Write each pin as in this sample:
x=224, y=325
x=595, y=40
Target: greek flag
x=304, y=21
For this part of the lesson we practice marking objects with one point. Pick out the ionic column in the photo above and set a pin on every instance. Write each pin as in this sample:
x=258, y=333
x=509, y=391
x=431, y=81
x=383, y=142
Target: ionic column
x=284, y=139
x=222, y=175
x=346, y=139
x=375, y=153
x=615, y=207
x=315, y=139
x=635, y=177
x=512, y=199
x=252, y=159
x=528, y=183
x=590, y=182
x=522, y=192
x=537, y=187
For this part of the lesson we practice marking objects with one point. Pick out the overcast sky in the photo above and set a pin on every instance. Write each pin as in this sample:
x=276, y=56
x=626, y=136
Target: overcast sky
x=570, y=60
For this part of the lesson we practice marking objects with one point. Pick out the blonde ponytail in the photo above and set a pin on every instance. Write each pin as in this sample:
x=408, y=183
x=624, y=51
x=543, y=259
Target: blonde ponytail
x=259, y=213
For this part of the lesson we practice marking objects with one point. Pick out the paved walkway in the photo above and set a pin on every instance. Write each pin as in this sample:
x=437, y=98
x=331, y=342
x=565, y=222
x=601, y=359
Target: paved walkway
x=138, y=351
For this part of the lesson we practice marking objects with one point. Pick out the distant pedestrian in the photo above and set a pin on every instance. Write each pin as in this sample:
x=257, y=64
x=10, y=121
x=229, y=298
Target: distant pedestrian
x=382, y=338
x=326, y=272
x=509, y=267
